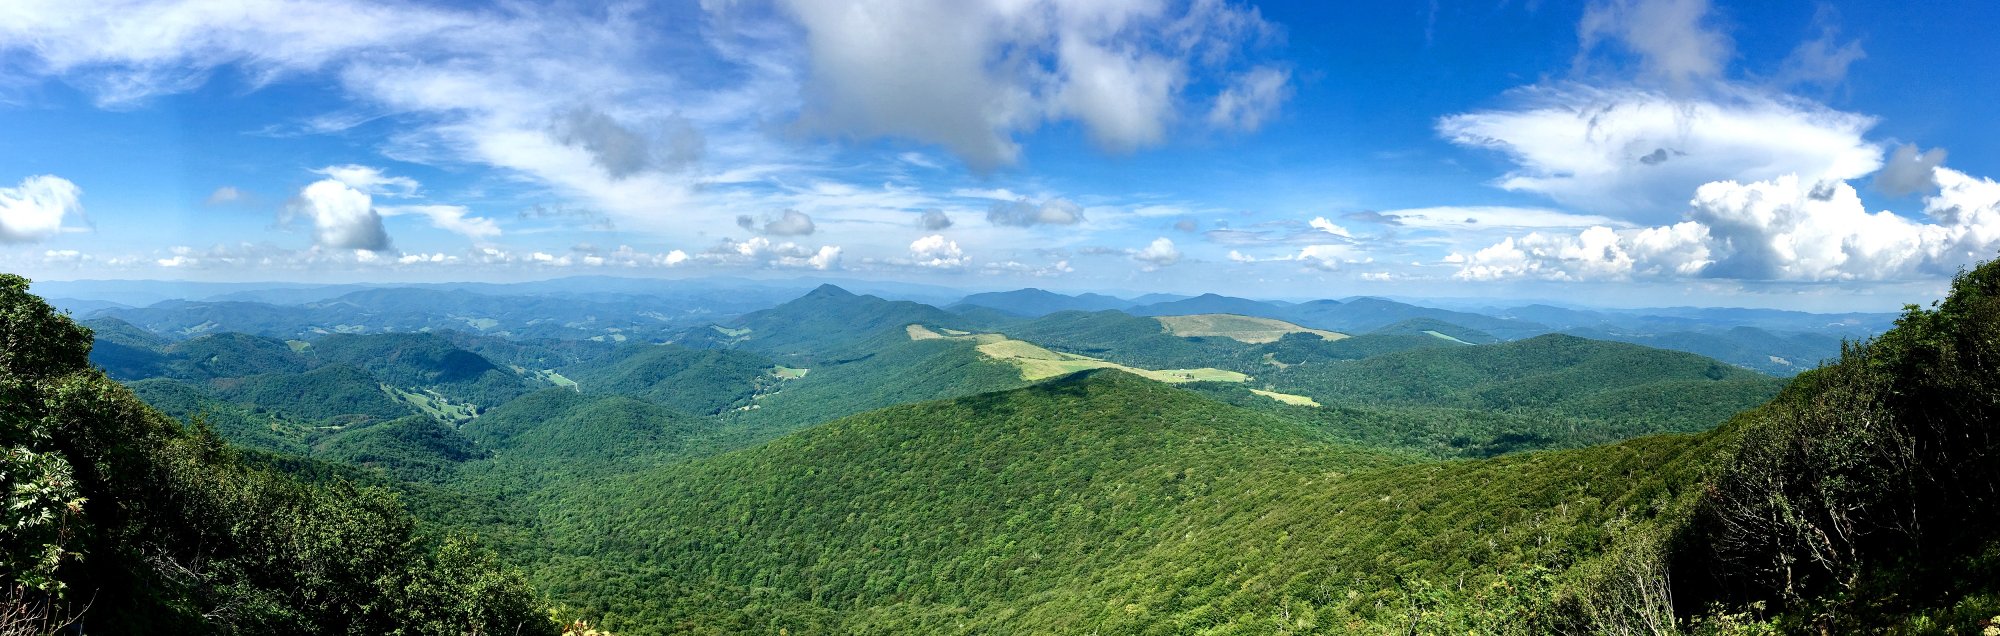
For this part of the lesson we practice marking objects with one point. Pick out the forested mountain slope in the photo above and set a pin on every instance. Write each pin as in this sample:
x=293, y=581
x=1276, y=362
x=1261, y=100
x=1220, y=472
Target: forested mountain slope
x=1100, y=503
x=119, y=517
x=813, y=468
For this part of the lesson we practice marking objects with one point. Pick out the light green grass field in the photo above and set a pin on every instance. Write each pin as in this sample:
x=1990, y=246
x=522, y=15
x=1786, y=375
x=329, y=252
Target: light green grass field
x=1037, y=363
x=1294, y=400
x=434, y=405
x=1239, y=328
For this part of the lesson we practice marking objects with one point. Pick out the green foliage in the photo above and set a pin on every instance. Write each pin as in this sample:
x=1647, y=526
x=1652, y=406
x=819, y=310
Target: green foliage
x=829, y=325
x=1437, y=329
x=415, y=448
x=230, y=355
x=1866, y=492
x=423, y=360
x=187, y=402
x=561, y=429
x=696, y=381
x=163, y=530
x=1100, y=503
x=1554, y=375
x=685, y=490
x=334, y=394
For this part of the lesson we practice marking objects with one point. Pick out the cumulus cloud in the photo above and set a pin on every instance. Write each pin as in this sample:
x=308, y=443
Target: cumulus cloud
x=1909, y=171
x=481, y=85
x=1784, y=229
x=1160, y=253
x=1251, y=99
x=1022, y=213
x=1324, y=257
x=760, y=251
x=786, y=223
x=343, y=216
x=1187, y=225
x=970, y=75
x=1596, y=253
x=35, y=209
x=1590, y=147
x=936, y=252
x=934, y=220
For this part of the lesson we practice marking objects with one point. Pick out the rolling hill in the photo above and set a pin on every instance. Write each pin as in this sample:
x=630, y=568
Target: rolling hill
x=1210, y=304
x=830, y=322
x=1554, y=373
x=1036, y=302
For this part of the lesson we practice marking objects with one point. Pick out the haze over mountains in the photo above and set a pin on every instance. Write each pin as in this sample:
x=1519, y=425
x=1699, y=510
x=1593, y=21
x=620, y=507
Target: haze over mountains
x=666, y=461
x=1773, y=341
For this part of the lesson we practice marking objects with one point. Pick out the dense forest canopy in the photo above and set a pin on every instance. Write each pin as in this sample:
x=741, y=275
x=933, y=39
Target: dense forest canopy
x=845, y=464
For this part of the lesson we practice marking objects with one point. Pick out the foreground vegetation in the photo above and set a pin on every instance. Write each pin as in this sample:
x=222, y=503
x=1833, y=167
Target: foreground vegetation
x=119, y=520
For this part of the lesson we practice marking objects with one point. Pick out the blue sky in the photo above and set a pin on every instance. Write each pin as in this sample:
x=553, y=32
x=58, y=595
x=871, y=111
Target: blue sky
x=1614, y=152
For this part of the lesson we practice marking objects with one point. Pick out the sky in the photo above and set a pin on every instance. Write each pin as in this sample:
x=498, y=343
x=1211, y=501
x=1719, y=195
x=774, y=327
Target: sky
x=1819, y=156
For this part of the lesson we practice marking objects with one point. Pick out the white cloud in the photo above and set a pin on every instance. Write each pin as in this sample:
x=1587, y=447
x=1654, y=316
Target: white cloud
x=450, y=218
x=920, y=160
x=1325, y=257
x=760, y=251
x=1124, y=97
x=827, y=257
x=970, y=75
x=1057, y=268
x=1021, y=213
x=786, y=223
x=1636, y=153
x=1320, y=223
x=1460, y=217
x=935, y=251
x=1598, y=253
x=370, y=180
x=65, y=257
x=432, y=258
x=343, y=216
x=675, y=258
x=35, y=209
x=1785, y=229
x=1160, y=253
x=1251, y=99
x=224, y=194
